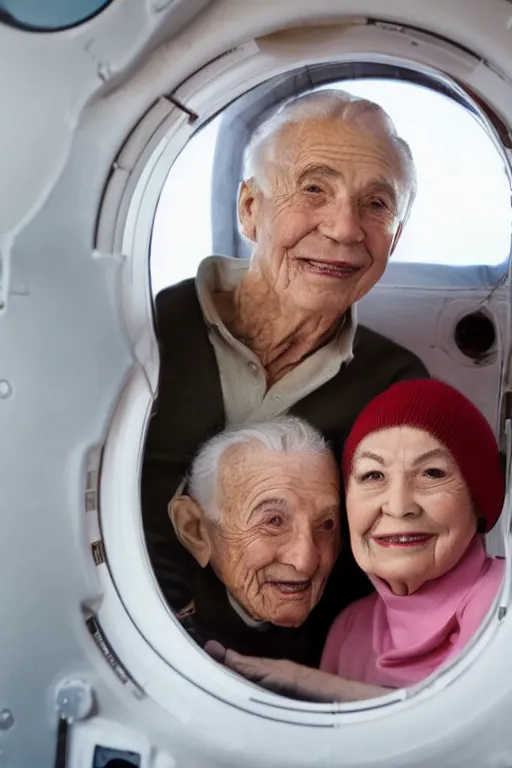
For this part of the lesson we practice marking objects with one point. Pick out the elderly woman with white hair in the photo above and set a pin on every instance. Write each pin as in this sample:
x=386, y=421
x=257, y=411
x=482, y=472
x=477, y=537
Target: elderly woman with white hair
x=327, y=188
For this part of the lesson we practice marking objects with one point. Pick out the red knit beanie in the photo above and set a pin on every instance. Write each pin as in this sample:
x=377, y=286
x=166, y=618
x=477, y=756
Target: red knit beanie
x=452, y=419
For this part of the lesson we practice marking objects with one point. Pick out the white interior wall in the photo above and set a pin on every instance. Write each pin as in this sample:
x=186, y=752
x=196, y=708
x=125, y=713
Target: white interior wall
x=68, y=355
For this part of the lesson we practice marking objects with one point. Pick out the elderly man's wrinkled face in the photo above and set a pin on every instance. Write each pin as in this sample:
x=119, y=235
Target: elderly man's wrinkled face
x=327, y=218
x=278, y=536
x=410, y=513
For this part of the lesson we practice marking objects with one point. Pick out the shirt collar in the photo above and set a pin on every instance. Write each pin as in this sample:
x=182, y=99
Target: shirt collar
x=224, y=273
x=253, y=623
x=409, y=628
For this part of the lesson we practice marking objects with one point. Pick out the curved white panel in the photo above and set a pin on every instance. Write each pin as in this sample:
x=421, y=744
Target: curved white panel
x=78, y=370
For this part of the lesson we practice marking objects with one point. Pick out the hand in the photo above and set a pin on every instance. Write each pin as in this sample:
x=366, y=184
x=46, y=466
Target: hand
x=280, y=676
x=293, y=680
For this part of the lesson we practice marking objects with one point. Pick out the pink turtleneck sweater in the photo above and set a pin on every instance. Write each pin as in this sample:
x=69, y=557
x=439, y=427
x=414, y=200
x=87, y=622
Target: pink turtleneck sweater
x=394, y=641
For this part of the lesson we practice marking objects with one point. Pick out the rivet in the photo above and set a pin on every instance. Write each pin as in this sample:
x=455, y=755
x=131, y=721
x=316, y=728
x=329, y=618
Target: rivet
x=104, y=72
x=74, y=700
x=5, y=389
x=6, y=720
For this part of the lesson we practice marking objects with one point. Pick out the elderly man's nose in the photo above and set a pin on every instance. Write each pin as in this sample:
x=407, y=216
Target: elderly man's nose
x=302, y=553
x=342, y=224
x=400, y=501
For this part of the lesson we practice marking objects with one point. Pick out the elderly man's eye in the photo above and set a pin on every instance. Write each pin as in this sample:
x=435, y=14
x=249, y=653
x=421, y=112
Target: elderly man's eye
x=313, y=189
x=328, y=525
x=378, y=205
x=276, y=521
x=434, y=474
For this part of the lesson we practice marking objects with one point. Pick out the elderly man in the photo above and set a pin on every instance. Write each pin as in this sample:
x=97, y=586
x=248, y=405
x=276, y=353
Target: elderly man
x=328, y=188
x=261, y=518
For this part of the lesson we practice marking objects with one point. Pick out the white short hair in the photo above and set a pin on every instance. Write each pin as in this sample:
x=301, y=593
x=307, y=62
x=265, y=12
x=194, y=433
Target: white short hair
x=331, y=104
x=284, y=435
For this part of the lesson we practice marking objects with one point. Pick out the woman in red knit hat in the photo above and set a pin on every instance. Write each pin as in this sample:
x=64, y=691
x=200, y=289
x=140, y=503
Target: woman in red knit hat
x=423, y=482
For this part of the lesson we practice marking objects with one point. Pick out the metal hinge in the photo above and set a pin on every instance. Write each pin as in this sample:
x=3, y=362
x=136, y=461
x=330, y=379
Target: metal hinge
x=91, y=491
x=98, y=553
x=92, y=501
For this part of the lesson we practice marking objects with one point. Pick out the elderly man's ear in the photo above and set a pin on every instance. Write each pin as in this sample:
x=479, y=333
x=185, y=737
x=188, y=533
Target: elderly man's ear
x=188, y=522
x=396, y=238
x=248, y=203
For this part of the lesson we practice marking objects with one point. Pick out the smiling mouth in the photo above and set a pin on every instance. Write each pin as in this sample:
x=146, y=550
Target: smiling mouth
x=331, y=268
x=403, y=540
x=291, y=587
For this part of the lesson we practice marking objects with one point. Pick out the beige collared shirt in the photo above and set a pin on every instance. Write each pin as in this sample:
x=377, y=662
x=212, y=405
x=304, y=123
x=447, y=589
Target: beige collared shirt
x=242, y=376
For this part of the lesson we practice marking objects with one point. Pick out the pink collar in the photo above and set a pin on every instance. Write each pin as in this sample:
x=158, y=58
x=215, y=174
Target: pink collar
x=406, y=628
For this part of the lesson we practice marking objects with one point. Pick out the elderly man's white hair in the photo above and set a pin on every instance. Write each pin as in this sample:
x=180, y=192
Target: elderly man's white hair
x=284, y=435
x=338, y=105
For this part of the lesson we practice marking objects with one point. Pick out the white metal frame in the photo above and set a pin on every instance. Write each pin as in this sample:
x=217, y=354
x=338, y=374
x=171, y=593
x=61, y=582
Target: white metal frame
x=79, y=358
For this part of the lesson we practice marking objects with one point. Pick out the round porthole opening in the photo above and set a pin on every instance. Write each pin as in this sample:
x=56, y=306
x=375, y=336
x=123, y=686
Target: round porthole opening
x=475, y=336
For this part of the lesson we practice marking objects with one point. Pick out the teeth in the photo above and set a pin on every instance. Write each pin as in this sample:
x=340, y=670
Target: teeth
x=404, y=539
x=292, y=587
x=331, y=267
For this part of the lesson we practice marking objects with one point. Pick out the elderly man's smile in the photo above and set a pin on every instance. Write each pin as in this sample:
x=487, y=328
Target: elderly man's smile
x=291, y=588
x=338, y=269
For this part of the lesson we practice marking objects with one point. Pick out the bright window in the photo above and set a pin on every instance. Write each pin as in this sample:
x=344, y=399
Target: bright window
x=461, y=216
x=182, y=231
x=462, y=213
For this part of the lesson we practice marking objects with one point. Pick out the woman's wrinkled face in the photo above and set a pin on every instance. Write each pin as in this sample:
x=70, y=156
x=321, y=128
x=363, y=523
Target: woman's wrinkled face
x=328, y=217
x=410, y=513
x=278, y=536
